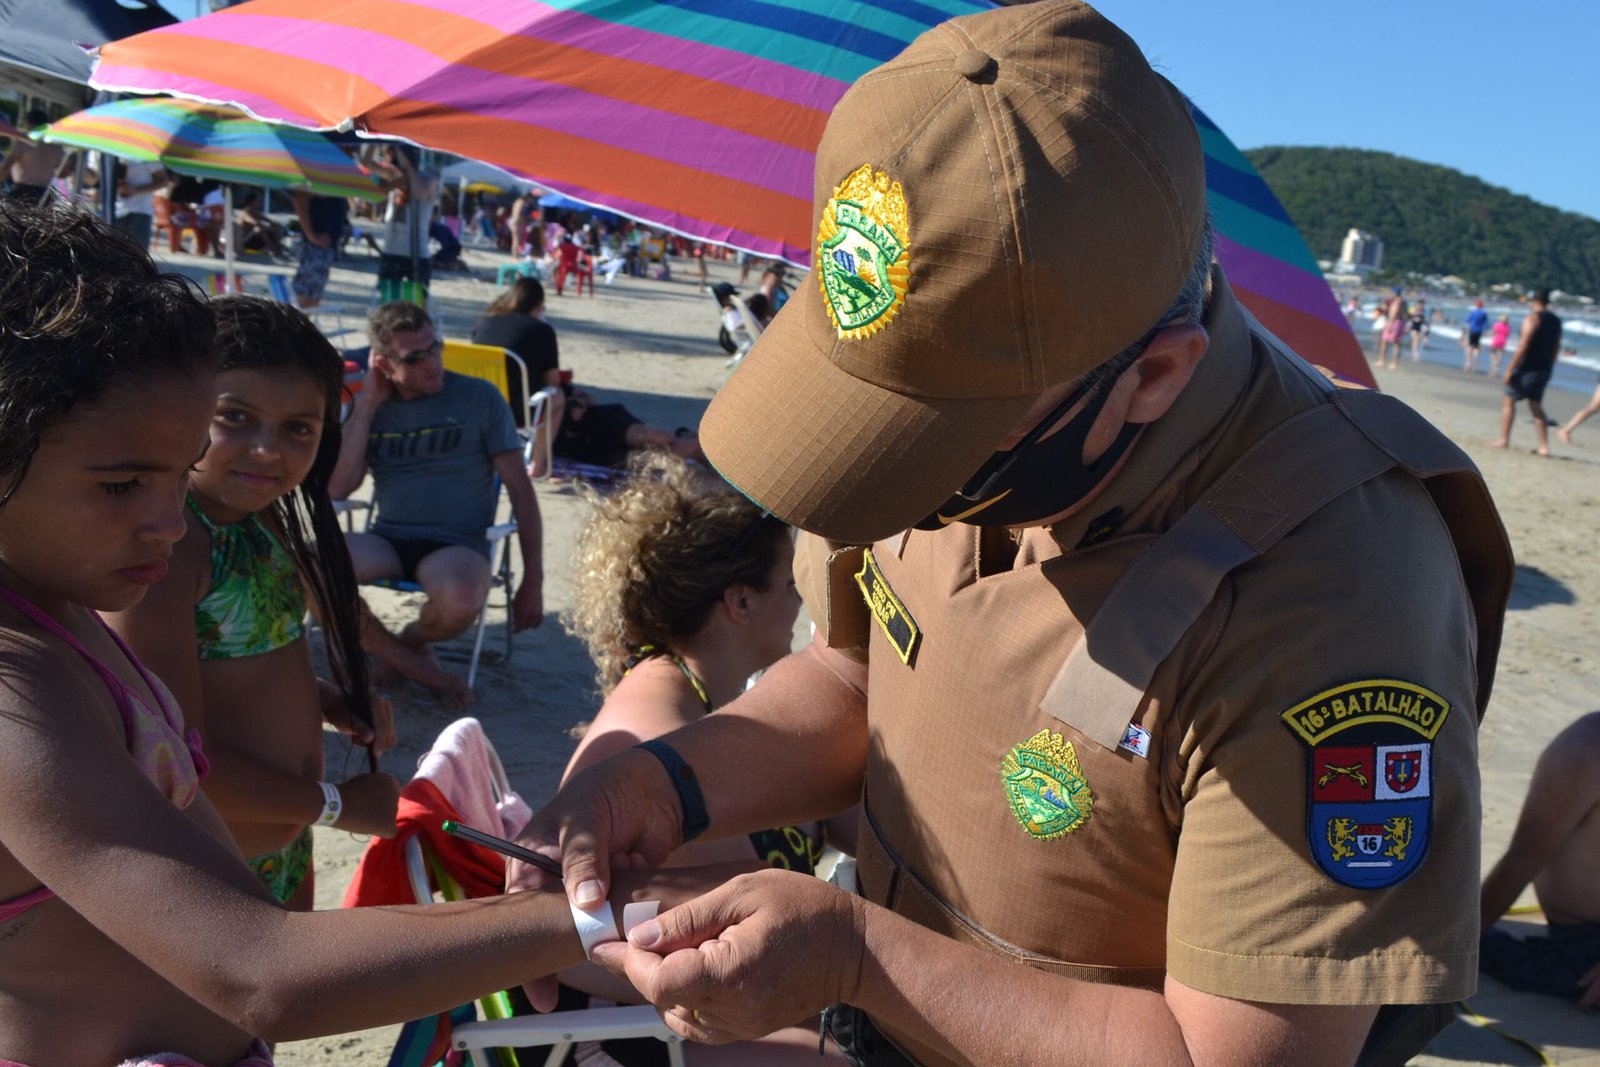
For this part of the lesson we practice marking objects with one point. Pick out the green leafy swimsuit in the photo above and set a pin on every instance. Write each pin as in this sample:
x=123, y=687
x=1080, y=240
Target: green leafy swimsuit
x=254, y=603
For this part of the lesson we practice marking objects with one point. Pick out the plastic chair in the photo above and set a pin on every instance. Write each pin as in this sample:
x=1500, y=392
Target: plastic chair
x=749, y=332
x=575, y=262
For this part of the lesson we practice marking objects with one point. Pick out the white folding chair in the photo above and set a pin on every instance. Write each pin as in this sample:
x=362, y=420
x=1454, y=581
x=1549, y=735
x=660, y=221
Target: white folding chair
x=751, y=329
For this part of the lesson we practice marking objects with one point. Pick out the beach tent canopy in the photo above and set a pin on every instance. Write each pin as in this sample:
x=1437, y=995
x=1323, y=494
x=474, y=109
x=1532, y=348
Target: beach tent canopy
x=472, y=172
x=42, y=42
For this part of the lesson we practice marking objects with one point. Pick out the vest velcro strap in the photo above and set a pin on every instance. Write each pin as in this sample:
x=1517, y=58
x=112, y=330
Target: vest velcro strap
x=1304, y=463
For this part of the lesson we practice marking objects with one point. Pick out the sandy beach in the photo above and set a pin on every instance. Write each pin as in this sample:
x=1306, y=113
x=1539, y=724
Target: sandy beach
x=652, y=345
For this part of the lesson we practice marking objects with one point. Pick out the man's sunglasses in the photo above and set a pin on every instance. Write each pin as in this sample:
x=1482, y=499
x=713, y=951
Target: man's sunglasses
x=433, y=351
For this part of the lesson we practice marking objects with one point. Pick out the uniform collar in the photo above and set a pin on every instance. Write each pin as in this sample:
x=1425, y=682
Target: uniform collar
x=1213, y=392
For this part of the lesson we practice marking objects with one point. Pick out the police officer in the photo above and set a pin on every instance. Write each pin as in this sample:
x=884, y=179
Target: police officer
x=1154, y=659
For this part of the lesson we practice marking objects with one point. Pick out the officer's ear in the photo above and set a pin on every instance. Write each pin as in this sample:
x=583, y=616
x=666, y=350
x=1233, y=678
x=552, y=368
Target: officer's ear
x=1158, y=377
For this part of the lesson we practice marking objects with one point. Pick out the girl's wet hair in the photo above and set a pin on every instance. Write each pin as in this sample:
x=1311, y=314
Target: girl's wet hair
x=83, y=311
x=656, y=555
x=258, y=334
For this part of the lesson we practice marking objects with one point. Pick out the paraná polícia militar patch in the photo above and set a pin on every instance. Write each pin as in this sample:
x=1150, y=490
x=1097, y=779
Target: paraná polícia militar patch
x=1369, y=775
x=893, y=618
x=1045, y=786
x=864, y=253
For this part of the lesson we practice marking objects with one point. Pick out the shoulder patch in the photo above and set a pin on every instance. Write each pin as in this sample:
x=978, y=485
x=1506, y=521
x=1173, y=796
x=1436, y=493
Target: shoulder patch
x=1369, y=777
x=893, y=618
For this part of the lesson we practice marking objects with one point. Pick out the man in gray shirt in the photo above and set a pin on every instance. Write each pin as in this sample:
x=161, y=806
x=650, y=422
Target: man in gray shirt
x=435, y=442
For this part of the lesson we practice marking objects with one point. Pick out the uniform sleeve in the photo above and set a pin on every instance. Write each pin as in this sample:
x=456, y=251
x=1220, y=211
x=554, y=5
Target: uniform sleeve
x=1329, y=842
x=499, y=428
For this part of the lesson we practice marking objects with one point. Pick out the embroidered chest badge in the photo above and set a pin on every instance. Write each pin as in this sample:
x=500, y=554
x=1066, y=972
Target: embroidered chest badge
x=893, y=618
x=864, y=253
x=1045, y=786
x=1369, y=778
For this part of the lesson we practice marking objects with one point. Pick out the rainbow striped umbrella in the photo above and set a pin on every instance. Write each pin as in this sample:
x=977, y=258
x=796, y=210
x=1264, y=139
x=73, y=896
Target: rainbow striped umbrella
x=212, y=141
x=697, y=116
x=209, y=141
x=1269, y=265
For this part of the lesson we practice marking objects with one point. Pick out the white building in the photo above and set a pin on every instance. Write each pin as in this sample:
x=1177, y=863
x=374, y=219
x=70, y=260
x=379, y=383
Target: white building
x=1360, y=252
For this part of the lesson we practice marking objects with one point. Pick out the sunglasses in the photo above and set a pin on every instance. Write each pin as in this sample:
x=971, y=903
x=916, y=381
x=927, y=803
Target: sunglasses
x=411, y=359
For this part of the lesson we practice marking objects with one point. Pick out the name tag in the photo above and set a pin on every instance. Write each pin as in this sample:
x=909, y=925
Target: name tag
x=893, y=618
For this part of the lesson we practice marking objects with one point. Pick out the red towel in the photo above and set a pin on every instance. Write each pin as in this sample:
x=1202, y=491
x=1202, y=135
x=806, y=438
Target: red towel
x=380, y=877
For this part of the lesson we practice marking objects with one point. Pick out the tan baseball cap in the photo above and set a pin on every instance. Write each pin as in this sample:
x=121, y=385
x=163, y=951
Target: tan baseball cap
x=1004, y=206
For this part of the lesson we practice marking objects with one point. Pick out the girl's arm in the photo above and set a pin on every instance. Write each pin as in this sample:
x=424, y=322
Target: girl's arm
x=81, y=817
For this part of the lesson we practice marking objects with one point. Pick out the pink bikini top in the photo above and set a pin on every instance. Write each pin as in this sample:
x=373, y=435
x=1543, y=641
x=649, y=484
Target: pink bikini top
x=170, y=758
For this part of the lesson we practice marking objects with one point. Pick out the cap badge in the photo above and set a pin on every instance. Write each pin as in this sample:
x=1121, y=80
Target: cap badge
x=1047, y=790
x=1370, y=765
x=864, y=253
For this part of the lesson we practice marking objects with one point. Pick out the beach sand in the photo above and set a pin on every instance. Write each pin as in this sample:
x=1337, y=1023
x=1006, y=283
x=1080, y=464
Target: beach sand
x=652, y=345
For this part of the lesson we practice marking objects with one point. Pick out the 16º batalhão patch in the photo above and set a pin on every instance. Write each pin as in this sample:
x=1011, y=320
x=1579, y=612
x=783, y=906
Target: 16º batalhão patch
x=893, y=618
x=864, y=253
x=1045, y=786
x=1369, y=771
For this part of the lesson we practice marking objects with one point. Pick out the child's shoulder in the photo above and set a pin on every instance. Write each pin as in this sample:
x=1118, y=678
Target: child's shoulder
x=41, y=675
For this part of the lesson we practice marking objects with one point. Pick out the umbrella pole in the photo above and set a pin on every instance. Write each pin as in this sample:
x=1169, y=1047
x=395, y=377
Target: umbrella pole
x=108, y=188
x=228, y=284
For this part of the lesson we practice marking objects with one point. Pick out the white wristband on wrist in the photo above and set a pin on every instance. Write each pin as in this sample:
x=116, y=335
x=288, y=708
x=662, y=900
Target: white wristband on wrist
x=332, y=805
x=599, y=925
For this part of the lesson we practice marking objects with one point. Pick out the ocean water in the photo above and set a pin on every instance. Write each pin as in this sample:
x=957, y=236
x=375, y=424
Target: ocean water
x=1577, y=373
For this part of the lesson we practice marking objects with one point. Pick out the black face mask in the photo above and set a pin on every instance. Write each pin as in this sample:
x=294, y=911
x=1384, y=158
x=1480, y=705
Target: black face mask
x=1036, y=479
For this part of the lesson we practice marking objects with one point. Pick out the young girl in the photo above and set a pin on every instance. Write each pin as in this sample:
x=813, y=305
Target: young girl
x=224, y=629
x=682, y=590
x=1498, y=336
x=130, y=924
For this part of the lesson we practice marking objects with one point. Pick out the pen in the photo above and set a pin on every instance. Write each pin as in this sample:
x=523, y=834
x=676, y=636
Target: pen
x=502, y=846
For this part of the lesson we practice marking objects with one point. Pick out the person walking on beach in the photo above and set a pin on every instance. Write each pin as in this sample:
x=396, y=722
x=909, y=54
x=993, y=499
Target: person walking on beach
x=1498, y=337
x=1592, y=407
x=1394, y=325
x=1476, y=320
x=1000, y=495
x=1529, y=371
x=1418, y=324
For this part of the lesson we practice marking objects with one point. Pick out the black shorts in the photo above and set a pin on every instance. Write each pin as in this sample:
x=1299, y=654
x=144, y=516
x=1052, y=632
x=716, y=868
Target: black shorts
x=1473, y=338
x=412, y=552
x=1528, y=385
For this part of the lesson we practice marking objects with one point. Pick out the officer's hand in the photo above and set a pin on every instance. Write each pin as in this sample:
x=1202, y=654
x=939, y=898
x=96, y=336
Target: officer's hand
x=760, y=953
x=622, y=812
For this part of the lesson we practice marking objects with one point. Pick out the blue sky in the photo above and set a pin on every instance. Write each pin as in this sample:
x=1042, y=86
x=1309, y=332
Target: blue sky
x=1509, y=93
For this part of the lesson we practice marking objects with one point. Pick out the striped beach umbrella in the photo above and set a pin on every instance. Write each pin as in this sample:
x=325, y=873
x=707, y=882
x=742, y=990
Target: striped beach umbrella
x=1269, y=265
x=696, y=116
x=211, y=141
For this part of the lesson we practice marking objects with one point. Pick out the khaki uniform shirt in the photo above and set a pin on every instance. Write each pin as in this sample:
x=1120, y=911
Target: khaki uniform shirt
x=1210, y=856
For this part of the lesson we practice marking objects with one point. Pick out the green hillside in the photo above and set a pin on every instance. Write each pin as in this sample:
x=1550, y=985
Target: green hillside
x=1432, y=219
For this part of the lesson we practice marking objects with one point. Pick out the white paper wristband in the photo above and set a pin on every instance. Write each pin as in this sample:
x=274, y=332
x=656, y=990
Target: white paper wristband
x=594, y=927
x=332, y=805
